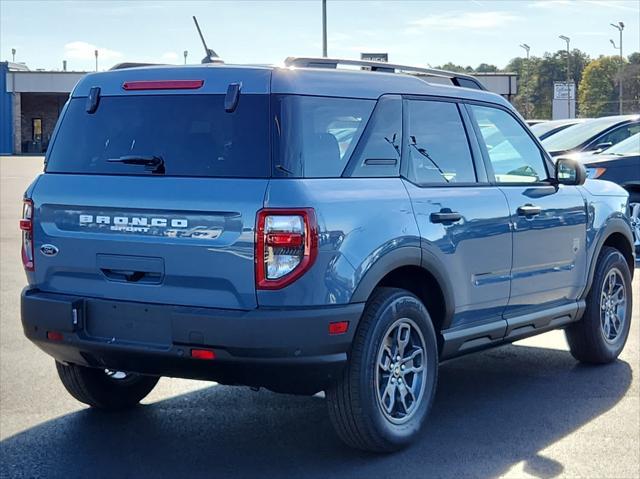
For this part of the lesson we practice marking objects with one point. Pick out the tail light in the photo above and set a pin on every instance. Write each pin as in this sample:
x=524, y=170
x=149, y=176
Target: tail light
x=286, y=246
x=26, y=225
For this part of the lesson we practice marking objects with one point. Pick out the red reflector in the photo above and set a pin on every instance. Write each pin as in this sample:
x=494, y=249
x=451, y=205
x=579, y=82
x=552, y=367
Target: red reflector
x=25, y=225
x=339, y=327
x=163, y=85
x=203, y=354
x=54, y=336
x=285, y=239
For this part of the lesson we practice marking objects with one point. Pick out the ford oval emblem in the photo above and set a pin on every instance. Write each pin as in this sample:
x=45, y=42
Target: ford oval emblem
x=49, y=250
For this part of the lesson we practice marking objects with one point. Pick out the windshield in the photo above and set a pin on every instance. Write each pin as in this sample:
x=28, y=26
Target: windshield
x=630, y=146
x=541, y=129
x=578, y=134
x=191, y=135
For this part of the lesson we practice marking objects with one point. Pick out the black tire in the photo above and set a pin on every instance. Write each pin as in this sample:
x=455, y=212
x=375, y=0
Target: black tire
x=354, y=403
x=99, y=390
x=586, y=337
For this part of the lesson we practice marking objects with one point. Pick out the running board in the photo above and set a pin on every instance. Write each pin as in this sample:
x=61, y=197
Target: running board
x=462, y=341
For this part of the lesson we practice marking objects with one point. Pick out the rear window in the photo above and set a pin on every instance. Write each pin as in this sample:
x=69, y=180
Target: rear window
x=192, y=134
x=315, y=136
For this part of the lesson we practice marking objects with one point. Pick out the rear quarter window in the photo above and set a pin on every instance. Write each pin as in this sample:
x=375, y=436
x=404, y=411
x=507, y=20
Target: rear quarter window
x=193, y=134
x=314, y=137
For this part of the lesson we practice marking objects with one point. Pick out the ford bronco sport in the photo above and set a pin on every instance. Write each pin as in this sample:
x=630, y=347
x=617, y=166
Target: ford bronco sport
x=310, y=228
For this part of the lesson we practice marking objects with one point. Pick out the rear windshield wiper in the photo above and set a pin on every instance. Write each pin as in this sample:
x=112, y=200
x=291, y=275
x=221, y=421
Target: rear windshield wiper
x=153, y=163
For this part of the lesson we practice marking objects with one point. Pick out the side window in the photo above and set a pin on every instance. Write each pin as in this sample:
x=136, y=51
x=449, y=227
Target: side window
x=438, y=148
x=378, y=154
x=514, y=156
x=619, y=134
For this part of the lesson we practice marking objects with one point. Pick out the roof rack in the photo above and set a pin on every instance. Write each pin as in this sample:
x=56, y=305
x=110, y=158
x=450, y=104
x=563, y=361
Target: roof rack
x=458, y=79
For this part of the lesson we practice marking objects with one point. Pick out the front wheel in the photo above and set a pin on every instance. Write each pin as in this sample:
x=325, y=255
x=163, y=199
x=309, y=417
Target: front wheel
x=103, y=388
x=386, y=390
x=601, y=334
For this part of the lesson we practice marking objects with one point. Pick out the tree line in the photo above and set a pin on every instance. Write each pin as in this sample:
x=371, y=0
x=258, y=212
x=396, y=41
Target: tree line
x=597, y=79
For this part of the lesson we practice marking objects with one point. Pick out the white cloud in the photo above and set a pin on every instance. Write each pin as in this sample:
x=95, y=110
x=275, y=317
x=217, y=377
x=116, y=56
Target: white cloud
x=85, y=51
x=463, y=20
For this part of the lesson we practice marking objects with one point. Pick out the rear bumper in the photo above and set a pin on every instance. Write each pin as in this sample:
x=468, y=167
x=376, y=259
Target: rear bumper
x=288, y=350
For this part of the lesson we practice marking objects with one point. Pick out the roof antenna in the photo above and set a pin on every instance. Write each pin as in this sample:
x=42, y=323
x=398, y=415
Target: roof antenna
x=211, y=56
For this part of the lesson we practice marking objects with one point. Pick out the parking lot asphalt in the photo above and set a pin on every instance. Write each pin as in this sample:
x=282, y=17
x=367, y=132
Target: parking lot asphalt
x=525, y=410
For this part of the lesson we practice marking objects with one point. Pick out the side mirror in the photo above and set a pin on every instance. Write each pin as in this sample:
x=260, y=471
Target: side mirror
x=570, y=172
x=602, y=146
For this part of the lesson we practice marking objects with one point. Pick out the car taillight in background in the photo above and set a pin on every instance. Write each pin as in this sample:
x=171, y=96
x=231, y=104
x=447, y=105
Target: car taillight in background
x=286, y=246
x=26, y=225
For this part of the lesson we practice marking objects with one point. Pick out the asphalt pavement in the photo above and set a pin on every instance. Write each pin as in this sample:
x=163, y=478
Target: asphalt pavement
x=525, y=410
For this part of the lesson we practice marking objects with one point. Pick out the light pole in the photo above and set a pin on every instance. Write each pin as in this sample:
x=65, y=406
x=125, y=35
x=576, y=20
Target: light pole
x=185, y=53
x=324, y=28
x=567, y=39
x=619, y=27
x=526, y=83
x=95, y=52
x=13, y=55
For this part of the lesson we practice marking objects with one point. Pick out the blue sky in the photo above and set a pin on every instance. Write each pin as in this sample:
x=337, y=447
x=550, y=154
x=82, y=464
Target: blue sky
x=417, y=32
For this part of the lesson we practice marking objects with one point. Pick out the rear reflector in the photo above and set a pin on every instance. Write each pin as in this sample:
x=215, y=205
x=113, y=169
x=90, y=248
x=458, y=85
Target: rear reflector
x=339, y=327
x=163, y=85
x=203, y=354
x=54, y=336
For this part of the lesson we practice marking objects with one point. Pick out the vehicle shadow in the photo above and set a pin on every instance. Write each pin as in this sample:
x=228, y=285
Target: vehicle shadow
x=493, y=410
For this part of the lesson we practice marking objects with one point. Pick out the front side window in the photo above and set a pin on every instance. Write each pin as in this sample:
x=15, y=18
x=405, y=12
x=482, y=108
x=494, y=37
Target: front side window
x=616, y=136
x=315, y=136
x=514, y=156
x=438, y=148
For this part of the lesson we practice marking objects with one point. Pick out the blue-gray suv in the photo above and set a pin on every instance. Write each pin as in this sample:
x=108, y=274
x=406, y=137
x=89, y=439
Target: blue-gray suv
x=310, y=228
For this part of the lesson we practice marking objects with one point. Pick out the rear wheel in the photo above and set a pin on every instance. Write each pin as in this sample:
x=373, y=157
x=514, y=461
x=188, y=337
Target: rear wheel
x=385, y=393
x=104, y=388
x=601, y=334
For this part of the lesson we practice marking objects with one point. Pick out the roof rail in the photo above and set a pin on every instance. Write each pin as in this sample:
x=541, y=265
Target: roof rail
x=458, y=79
x=121, y=66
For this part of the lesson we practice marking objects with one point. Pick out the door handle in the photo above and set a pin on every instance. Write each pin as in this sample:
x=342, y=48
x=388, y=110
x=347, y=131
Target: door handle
x=445, y=215
x=529, y=210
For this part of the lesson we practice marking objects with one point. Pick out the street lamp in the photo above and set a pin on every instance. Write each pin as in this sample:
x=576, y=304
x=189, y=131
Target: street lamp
x=324, y=28
x=185, y=53
x=619, y=27
x=526, y=83
x=13, y=55
x=567, y=39
x=95, y=52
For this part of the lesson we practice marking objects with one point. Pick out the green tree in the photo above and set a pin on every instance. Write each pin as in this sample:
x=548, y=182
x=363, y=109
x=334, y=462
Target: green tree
x=535, y=79
x=598, y=91
x=452, y=67
x=631, y=84
x=487, y=68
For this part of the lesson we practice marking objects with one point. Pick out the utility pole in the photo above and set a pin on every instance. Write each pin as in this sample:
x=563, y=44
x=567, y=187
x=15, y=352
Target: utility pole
x=95, y=52
x=13, y=55
x=567, y=39
x=185, y=53
x=526, y=83
x=619, y=27
x=324, y=28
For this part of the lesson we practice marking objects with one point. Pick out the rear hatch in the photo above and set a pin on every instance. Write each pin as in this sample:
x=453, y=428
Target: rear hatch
x=153, y=196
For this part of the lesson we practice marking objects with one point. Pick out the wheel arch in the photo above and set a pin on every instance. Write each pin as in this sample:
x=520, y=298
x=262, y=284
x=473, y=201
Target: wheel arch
x=617, y=235
x=417, y=271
